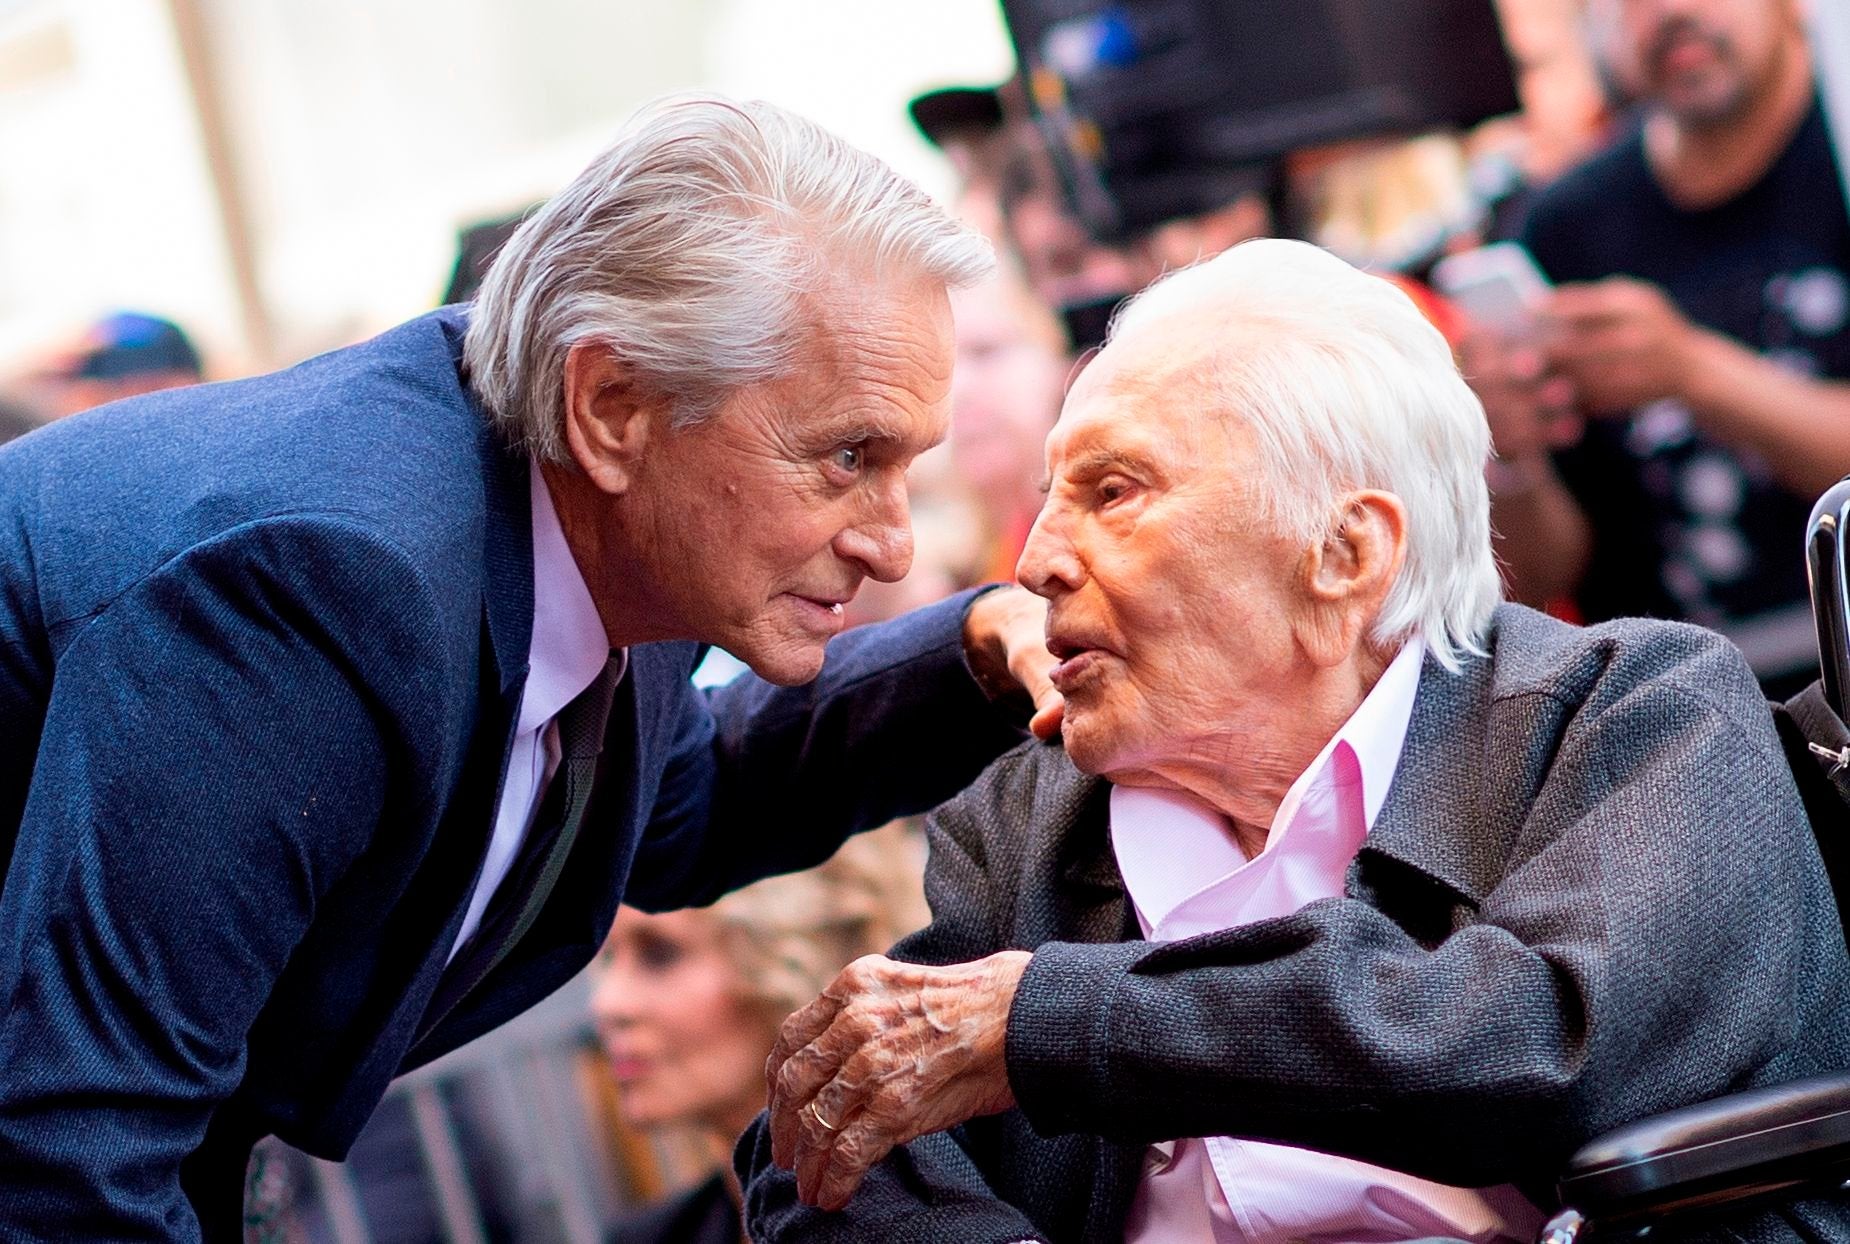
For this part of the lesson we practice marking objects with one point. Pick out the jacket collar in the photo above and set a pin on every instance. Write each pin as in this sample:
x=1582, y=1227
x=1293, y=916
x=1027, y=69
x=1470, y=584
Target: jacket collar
x=1437, y=818
x=1078, y=818
x=507, y=542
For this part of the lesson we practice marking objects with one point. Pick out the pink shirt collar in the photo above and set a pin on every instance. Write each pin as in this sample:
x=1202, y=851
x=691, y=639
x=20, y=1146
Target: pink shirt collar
x=569, y=643
x=1167, y=842
x=1226, y=1190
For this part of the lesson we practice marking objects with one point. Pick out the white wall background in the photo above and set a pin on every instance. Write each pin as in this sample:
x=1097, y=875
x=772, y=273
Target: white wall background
x=363, y=133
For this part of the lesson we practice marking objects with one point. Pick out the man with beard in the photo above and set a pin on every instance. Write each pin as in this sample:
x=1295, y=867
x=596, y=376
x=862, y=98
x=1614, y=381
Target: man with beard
x=1662, y=438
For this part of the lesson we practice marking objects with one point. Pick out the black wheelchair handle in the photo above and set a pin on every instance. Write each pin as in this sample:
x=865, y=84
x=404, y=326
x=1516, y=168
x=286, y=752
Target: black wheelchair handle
x=1824, y=567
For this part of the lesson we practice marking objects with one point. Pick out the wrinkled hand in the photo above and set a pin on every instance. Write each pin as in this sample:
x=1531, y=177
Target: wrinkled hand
x=1621, y=342
x=889, y=1052
x=1530, y=408
x=1005, y=643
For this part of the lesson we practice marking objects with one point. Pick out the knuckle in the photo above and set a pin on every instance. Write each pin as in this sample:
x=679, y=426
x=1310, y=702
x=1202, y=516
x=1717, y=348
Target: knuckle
x=853, y=1151
x=888, y=1104
x=862, y=972
x=862, y=1067
x=790, y=1081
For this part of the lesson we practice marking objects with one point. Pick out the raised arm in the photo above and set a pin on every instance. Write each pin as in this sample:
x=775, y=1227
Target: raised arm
x=896, y=723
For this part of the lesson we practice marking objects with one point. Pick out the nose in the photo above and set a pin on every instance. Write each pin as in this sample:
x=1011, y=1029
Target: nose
x=609, y=1000
x=881, y=537
x=1049, y=563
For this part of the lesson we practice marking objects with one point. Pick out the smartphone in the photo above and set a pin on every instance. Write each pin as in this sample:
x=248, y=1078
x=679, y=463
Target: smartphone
x=1497, y=287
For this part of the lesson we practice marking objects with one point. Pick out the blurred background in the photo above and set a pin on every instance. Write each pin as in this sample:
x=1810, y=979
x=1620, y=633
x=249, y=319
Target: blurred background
x=203, y=189
x=284, y=176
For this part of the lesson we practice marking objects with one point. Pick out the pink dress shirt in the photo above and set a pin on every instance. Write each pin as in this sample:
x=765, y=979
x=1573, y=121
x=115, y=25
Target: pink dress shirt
x=569, y=650
x=1220, y=1189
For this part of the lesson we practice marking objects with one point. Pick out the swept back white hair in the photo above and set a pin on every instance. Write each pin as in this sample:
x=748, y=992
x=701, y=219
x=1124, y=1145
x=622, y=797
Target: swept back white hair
x=1345, y=385
x=685, y=248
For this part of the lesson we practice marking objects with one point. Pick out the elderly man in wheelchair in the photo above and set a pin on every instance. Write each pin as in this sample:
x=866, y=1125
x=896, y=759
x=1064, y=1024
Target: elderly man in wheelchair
x=1352, y=902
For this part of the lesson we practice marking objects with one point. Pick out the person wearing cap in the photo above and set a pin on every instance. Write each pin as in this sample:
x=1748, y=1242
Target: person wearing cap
x=124, y=354
x=1011, y=190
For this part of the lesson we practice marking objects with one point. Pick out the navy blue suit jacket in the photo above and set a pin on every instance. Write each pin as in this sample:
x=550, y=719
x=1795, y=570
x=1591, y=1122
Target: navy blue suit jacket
x=262, y=646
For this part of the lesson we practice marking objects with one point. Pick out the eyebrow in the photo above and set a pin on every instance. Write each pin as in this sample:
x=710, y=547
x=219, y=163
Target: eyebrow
x=1097, y=461
x=854, y=429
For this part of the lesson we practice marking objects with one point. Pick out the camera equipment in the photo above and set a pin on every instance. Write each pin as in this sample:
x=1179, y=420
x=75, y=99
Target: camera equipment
x=1155, y=108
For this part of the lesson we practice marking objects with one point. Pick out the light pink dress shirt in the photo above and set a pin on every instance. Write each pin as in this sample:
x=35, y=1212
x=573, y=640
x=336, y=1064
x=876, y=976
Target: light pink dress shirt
x=1223, y=1190
x=569, y=651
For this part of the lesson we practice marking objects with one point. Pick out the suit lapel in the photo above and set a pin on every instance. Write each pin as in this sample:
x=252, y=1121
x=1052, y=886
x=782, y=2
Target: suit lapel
x=1446, y=815
x=507, y=552
x=506, y=645
x=583, y=901
x=1114, y=1187
x=1094, y=906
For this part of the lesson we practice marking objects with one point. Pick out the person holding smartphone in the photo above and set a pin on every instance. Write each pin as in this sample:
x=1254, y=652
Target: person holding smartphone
x=1663, y=430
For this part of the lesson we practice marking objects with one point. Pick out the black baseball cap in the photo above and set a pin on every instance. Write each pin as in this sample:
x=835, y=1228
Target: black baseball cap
x=950, y=112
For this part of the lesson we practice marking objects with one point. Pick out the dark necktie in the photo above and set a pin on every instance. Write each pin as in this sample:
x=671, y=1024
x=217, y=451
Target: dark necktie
x=523, y=892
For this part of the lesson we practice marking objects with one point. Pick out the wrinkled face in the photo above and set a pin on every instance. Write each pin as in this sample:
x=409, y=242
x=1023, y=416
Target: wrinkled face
x=1170, y=603
x=682, y=1045
x=755, y=527
x=1703, y=61
x=1005, y=392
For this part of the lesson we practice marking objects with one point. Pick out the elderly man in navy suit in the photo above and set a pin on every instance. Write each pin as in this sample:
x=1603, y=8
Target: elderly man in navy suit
x=340, y=707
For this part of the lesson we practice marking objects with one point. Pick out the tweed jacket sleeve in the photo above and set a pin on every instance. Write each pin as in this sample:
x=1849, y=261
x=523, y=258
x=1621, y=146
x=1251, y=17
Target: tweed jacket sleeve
x=1592, y=895
x=932, y=1189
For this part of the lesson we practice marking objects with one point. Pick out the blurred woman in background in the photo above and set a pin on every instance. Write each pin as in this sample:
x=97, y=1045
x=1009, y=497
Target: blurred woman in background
x=687, y=1004
x=1006, y=391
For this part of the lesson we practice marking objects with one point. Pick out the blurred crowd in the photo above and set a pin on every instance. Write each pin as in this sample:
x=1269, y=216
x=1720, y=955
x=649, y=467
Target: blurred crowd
x=1662, y=422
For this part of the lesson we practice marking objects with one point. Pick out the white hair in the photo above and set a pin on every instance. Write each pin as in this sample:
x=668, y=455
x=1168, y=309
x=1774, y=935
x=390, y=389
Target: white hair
x=1345, y=385
x=686, y=248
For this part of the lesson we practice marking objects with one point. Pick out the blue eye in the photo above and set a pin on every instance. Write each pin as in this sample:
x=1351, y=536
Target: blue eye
x=849, y=458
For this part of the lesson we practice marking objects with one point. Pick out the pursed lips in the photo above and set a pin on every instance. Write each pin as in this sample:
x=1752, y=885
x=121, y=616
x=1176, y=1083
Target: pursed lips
x=1076, y=652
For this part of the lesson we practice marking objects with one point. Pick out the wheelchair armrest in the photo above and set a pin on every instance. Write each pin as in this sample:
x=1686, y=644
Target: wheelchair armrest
x=1747, y=1144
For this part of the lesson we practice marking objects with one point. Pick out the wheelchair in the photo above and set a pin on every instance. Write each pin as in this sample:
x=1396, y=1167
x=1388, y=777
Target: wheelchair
x=1681, y=1168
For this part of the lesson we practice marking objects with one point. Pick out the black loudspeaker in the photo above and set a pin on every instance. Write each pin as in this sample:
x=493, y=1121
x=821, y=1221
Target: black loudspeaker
x=1154, y=108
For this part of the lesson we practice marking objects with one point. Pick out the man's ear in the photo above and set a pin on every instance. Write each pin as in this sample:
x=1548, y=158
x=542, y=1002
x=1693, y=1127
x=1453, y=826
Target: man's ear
x=1347, y=576
x=609, y=416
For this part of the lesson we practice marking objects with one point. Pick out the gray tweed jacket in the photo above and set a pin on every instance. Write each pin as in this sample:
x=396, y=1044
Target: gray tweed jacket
x=1590, y=896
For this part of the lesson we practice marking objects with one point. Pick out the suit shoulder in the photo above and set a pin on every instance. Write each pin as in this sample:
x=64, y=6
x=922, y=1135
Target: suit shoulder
x=1537, y=654
x=380, y=434
x=1030, y=792
x=384, y=429
x=1035, y=769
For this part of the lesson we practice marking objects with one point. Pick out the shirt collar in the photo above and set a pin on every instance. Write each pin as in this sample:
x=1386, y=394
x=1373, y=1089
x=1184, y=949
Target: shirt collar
x=570, y=647
x=1377, y=730
x=1171, y=846
x=1369, y=742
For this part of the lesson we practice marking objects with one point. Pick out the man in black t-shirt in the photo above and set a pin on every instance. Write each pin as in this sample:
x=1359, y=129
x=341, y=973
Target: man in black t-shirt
x=1662, y=443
